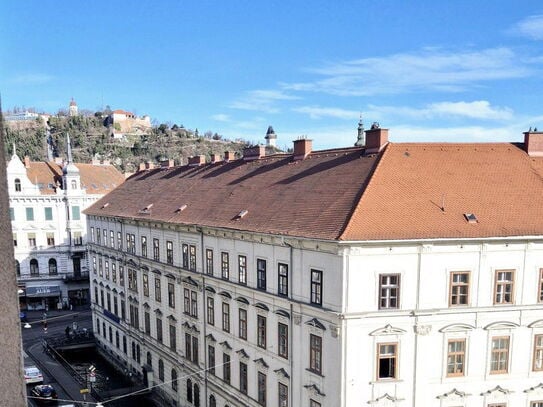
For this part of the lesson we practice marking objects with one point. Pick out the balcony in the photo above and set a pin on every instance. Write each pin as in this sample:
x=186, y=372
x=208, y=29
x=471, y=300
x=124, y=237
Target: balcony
x=76, y=277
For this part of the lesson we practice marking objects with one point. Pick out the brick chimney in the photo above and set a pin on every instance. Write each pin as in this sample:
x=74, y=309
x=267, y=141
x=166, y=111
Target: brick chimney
x=376, y=139
x=27, y=161
x=215, y=158
x=533, y=143
x=141, y=167
x=229, y=156
x=253, y=153
x=302, y=148
x=167, y=163
x=197, y=160
x=149, y=165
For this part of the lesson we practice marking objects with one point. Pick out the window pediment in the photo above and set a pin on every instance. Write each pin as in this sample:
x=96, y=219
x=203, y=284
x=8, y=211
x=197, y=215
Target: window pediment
x=454, y=393
x=314, y=390
x=538, y=388
x=496, y=390
x=225, y=294
x=282, y=313
x=210, y=338
x=316, y=324
x=242, y=354
x=210, y=289
x=388, y=330
x=282, y=373
x=225, y=345
x=262, y=306
x=385, y=398
x=536, y=324
x=243, y=300
x=261, y=362
x=457, y=328
x=501, y=325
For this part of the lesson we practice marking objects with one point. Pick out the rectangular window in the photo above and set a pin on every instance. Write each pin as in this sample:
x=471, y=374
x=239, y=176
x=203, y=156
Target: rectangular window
x=133, y=243
x=171, y=295
x=282, y=330
x=389, y=291
x=456, y=356
x=112, y=238
x=282, y=283
x=32, y=240
x=92, y=234
x=534, y=404
x=226, y=367
x=538, y=353
x=173, y=338
x=242, y=269
x=158, y=294
x=316, y=287
x=119, y=241
x=261, y=274
x=243, y=323
x=159, y=330
x=11, y=213
x=145, y=285
x=225, y=266
x=261, y=381
x=123, y=310
x=100, y=268
x=121, y=276
x=114, y=272
x=106, y=263
x=144, y=246
x=98, y=236
x=283, y=395
x=459, y=294
x=209, y=262
x=132, y=280
x=116, y=306
x=504, y=287
x=77, y=239
x=192, y=258
x=540, y=286
x=186, y=300
x=225, y=317
x=156, y=250
x=499, y=359
x=104, y=235
x=315, y=353
x=185, y=255
x=50, y=239
x=15, y=240
x=193, y=304
x=261, y=331
x=210, y=311
x=195, y=350
x=147, y=322
x=242, y=377
x=169, y=252
x=211, y=359
x=29, y=213
x=48, y=213
x=76, y=214
x=387, y=357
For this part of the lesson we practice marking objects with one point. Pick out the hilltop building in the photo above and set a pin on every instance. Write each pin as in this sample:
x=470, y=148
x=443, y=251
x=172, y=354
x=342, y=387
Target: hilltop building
x=394, y=274
x=49, y=231
x=271, y=137
x=73, y=110
x=123, y=123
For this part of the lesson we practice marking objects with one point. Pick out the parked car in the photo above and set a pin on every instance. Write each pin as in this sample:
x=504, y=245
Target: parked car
x=33, y=375
x=46, y=393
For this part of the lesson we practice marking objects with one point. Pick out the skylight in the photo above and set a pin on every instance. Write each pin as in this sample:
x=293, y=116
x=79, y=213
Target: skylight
x=470, y=217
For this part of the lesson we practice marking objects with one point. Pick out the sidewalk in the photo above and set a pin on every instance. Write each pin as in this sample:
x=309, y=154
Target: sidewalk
x=38, y=315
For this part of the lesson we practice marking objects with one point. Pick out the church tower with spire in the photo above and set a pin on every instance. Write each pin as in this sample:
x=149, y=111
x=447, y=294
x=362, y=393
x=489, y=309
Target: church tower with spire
x=73, y=111
x=271, y=137
x=71, y=179
x=361, y=138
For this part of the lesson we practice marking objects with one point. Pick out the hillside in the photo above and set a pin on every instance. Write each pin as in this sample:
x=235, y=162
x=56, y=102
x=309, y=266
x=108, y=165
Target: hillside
x=91, y=139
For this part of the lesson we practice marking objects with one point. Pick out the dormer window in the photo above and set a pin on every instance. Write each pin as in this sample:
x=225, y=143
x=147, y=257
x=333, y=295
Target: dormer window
x=17, y=185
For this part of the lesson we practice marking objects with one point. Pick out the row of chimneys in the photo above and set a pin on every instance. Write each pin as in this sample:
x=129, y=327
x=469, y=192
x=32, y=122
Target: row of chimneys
x=376, y=140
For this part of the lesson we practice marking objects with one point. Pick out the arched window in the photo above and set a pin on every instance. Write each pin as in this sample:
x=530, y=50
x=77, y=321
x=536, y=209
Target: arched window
x=212, y=401
x=74, y=184
x=34, y=269
x=161, y=370
x=18, y=268
x=17, y=185
x=174, y=380
x=189, y=390
x=196, y=395
x=149, y=360
x=52, y=267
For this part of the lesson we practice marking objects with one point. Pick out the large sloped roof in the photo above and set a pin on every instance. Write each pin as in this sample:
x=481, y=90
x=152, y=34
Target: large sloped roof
x=313, y=197
x=423, y=191
x=96, y=179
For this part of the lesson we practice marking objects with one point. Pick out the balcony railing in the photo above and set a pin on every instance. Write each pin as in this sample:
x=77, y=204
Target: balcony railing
x=72, y=277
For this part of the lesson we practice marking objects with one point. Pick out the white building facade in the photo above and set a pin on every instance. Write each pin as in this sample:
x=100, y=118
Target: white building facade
x=234, y=316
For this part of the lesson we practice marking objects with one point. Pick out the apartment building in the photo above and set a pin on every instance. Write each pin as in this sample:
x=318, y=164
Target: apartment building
x=392, y=274
x=46, y=200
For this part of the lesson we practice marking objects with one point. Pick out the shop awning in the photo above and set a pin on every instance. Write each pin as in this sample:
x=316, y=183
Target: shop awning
x=43, y=291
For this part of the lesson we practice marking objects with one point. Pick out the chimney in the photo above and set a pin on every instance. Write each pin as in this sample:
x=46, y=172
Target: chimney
x=253, y=153
x=106, y=162
x=215, y=158
x=302, y=148
x=149, y=165
x=59, y=161
x=141, y=167
x=533, y=143
x=27, y=161
x=197, y=160
x=167, y=163
x=95, y=161
x=229, y=156
x=376, y=139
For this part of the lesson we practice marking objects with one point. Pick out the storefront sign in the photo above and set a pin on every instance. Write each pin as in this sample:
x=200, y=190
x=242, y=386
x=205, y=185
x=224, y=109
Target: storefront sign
x=43, y=291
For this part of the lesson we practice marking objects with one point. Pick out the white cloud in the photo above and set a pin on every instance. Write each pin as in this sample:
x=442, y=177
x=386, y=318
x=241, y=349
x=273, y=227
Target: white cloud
x=531, y=27
x=262, y=100
x=479, y=109
x=31, y=79
x=429, y=69
x=316, y=112
x=221, y=117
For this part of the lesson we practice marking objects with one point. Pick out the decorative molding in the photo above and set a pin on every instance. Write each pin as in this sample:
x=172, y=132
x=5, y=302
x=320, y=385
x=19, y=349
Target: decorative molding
x=282, y=372
x=261, y=362
x=423, y=329
x=225, y=295
x=297, y=318
x=454, y=393
x=536, y=324
x=282, y=313
x=457, y=328
x=313, y=389
x=243, y=300
x=242, y=354
x=210, y=338
x=387, y=330
x=210, y=289
x=315, y=323
x=501, y=325
x=385, y=397
x=537, y=388
x=497, y=389
x=225, y=345
x=335, y=330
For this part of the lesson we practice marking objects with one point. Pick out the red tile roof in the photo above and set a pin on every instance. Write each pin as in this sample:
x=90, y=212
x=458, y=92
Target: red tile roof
x=96, y=179
x=312, y=198
x=344, y=195
x=498, y=183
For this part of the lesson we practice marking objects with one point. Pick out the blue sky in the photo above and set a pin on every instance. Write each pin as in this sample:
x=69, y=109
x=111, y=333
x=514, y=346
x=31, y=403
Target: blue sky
x=427, y=70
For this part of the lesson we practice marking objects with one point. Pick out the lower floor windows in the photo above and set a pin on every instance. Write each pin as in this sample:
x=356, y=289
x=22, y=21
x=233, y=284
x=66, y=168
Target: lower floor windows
x=387, y=361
